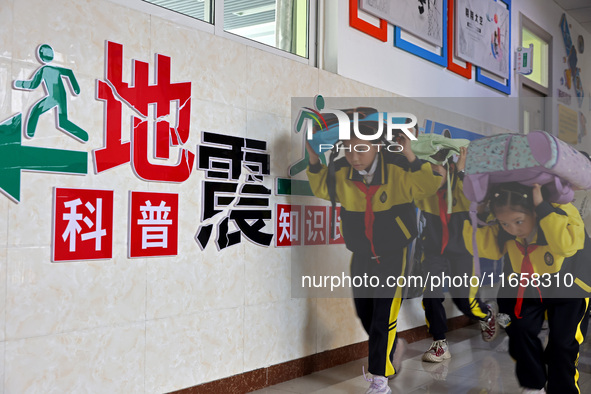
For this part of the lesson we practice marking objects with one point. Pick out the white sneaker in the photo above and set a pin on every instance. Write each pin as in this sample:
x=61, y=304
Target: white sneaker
x=379, y=385
x=490, y=328
x=533, y=391
x=438, y=352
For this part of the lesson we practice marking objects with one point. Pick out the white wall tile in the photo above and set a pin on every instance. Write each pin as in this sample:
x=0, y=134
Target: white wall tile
x=45, y=298
x=273, y=81
x=90, y=23
x=279, y=332
x=103, y=360
x=338, y=324
x=217, y=67
x=6, y=29
x=267, y=273
x=185, y=351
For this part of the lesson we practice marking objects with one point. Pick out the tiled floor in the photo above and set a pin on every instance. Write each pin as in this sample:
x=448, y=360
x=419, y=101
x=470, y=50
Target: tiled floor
x=476, y=367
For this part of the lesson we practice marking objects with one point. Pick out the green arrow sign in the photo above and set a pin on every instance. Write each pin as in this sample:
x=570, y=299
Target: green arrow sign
x=15, y=157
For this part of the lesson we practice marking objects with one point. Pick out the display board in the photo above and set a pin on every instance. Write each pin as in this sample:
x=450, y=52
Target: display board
x=482, y=35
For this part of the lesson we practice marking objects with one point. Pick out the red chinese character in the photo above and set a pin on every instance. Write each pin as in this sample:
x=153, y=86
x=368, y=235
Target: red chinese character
x=288, y=226
x=138, y=96
x=153, y=224
x=82, y=224
x=339, y=238
x=315, y=223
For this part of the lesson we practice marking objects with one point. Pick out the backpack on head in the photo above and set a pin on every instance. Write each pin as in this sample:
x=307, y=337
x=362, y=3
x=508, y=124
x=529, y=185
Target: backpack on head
x=537, y=157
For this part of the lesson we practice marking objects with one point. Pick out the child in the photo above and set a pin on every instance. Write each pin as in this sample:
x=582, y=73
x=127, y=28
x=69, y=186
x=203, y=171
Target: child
x=538, y=237
x=445, y=253
x=376, y=189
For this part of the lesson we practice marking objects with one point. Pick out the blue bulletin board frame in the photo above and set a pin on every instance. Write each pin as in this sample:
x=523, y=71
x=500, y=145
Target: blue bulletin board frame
x=504, y=88
x=408, y=46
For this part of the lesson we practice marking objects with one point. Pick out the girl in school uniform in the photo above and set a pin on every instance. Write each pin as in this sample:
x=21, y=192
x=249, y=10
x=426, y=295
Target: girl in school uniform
x=537, y=237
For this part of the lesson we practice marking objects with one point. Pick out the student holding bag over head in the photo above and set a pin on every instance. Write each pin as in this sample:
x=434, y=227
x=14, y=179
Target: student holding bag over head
x=541, y=242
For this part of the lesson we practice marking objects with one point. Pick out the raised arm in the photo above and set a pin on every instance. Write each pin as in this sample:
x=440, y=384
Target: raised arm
x=563, y=227
x=317, y=173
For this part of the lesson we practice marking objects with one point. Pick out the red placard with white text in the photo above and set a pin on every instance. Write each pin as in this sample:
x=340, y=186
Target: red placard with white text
x=339, y=238
x=315, y=225
x=153, y=224
x=288, y=225
x=82, y=224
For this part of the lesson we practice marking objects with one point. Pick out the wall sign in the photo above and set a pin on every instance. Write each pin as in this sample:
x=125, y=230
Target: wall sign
x=234, y=197
x=153, y=224
x=288, y=225
x=138, y=96
x=524, y=60
x=82, y=224
x=16, y=157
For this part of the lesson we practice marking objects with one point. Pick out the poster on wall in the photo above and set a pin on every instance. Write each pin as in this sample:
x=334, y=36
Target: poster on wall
x=568, y=125
x=423, y=18
x=482, y=35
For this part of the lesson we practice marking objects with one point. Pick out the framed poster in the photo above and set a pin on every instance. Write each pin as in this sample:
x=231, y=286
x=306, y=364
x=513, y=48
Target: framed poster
x=466, y=70
x=483, y=34
x=422, y=18
x=380, y=32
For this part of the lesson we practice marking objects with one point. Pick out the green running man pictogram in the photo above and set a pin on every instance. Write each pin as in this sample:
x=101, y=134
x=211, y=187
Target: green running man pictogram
x=53, y=79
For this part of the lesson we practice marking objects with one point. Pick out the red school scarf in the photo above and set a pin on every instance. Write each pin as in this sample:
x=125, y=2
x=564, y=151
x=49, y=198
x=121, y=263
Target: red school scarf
x=444, y=217
x=526, y=267
x=369, y=192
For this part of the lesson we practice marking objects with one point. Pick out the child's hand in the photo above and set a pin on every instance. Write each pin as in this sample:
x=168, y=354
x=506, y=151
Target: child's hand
x=313, y=157
x=404, y=141
x=461, y=165
x=537, y=194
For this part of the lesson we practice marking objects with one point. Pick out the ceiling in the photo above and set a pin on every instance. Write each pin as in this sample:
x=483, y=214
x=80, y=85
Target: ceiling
x=580, y=10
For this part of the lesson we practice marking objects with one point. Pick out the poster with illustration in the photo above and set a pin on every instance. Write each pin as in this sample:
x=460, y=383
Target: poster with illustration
x=422, y=18
x=482, y=35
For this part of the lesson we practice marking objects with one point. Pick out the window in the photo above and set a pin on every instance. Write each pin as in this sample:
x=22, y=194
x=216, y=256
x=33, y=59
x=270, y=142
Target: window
x=540, y=56
x=282, y=24
x=198, y=9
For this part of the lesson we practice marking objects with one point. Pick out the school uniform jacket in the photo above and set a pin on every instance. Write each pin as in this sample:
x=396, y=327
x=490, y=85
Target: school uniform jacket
x=432, y=207
x=395, y=218
x=562, y=246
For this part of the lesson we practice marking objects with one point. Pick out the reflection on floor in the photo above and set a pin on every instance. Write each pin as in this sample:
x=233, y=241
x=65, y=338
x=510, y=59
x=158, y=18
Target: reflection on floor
x=476, y=367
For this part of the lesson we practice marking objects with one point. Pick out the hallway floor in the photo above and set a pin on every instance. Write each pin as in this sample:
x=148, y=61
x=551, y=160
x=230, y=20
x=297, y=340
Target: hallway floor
x=475, y=367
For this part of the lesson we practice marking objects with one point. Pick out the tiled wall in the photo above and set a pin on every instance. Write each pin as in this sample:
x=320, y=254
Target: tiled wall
x=150, y=324
x=155, y=324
